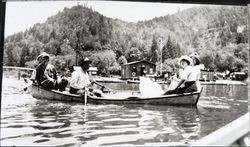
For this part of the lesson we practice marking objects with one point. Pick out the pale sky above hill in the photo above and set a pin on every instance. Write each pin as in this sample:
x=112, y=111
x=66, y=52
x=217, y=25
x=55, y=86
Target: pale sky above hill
x=23, y=15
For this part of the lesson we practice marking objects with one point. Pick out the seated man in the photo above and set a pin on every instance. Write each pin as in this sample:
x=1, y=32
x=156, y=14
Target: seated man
x=80, y=79
x=46, y=75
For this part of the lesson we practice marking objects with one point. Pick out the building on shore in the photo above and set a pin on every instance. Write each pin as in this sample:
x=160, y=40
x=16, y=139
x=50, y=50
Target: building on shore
x=93, y=71
x=238, y=76
x=133, y=70
x=207, y=75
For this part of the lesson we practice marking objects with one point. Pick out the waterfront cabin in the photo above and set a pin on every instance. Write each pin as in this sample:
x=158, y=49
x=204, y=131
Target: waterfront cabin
x=133, y=70
x=238, y=76
x=93, y=71
x=207, y=75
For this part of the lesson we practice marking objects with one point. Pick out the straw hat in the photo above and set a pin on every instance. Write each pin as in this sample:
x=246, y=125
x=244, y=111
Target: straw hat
x=186, y=58
x=196, y=55
x=85, y=61
x=43, y=54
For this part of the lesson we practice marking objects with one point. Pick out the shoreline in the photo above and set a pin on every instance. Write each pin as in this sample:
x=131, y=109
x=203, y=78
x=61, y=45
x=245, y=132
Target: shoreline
x=217, y=82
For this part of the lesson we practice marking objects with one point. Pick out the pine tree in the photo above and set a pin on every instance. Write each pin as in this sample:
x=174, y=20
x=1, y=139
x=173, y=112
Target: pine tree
x=178, y=50
x=169, y=47
x=165, y=53
x=154, y=51
x=25, y=56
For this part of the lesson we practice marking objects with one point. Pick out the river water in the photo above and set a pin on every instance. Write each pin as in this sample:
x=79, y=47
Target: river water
x=26, y=121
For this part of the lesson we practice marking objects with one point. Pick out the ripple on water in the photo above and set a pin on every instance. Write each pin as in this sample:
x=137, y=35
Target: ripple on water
x=26, y=121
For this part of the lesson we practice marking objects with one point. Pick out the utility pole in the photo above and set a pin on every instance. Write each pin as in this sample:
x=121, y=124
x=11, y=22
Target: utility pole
x=161, y=46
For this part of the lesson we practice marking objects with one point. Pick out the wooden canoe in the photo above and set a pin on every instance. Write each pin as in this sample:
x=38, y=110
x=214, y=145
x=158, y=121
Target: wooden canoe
x=118, y=98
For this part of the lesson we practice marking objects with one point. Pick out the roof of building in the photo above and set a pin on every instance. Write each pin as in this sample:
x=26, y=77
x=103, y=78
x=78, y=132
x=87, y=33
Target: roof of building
x=92, y=68
x=239, y=73
x=135, y=62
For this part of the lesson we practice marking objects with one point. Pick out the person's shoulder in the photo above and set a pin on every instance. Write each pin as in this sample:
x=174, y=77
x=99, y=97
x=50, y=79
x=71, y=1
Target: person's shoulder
x=75, y=72
x=50, y=66
x=189, y=68
x=197, y=68
x=39, y=66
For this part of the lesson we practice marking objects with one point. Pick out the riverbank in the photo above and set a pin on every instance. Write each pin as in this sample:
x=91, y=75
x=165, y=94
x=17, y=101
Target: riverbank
x=217, y=82
x=109, y=79
x=223, y=82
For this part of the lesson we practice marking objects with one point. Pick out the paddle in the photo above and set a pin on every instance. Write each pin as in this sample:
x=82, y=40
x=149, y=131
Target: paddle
x=102, y=89
x=85, y=96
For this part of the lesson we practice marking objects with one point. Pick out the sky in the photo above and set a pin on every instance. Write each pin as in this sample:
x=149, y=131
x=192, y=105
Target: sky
x=23, y=15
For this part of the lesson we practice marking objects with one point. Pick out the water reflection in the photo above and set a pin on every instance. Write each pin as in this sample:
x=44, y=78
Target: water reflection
x=229, y=91
x=26, y=121
x=94, y=125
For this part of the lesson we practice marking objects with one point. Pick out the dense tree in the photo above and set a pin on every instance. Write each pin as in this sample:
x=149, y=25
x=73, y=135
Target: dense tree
x=166, y=53
x=104, y=60
x=122, y=60
x=9, y=52
x=154, y=51
x=171, y=50
x=133, y=54
x=25, y=56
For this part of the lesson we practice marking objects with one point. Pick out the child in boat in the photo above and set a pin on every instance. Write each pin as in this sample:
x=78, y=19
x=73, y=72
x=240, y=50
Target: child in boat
x=187, y=82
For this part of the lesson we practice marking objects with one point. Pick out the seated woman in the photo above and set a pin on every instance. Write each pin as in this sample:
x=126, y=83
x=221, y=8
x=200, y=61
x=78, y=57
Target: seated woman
x=187, y=83
x=196, y=72
x=46, y=75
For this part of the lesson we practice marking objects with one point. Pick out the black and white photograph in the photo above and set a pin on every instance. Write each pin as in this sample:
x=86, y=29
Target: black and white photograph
x=124, y=73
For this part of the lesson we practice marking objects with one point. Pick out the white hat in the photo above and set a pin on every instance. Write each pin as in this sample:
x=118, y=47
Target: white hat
x=85, y=60
x=43, y=54
x=187, y=58
x=196, y=55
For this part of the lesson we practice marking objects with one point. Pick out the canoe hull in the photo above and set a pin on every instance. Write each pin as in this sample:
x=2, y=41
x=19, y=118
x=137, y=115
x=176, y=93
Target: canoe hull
x=41, y=93
x=183, y=99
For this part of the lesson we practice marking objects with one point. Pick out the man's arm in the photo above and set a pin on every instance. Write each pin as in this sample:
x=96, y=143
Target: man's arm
x=180, y=83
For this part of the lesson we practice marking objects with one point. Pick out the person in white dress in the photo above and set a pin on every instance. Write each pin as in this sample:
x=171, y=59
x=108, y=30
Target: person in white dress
x=196, y=72
x=186, y=82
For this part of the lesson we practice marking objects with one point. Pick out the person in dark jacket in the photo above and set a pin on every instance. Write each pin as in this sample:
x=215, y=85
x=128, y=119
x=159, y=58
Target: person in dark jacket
x=46, y=75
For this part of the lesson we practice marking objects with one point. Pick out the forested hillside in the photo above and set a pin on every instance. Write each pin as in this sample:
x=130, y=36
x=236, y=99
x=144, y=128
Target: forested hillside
x=218, y=33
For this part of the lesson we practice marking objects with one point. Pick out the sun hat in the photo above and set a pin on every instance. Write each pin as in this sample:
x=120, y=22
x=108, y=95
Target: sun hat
x=43, y=54
x=186, y=58
x=85, y=60
x=196, y=55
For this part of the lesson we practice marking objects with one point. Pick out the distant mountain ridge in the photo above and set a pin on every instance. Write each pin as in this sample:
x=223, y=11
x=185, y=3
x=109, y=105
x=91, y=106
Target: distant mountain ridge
x=80, y=29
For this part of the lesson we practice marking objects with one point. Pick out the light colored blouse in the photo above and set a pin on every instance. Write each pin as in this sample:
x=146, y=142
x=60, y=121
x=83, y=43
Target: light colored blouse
x=79, y=79
x=184, y=74
x=195, y=73
x=191, y=73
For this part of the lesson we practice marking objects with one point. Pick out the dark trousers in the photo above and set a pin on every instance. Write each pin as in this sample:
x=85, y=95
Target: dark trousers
x=73, y=90
x=55, y=85
x=189, y=86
